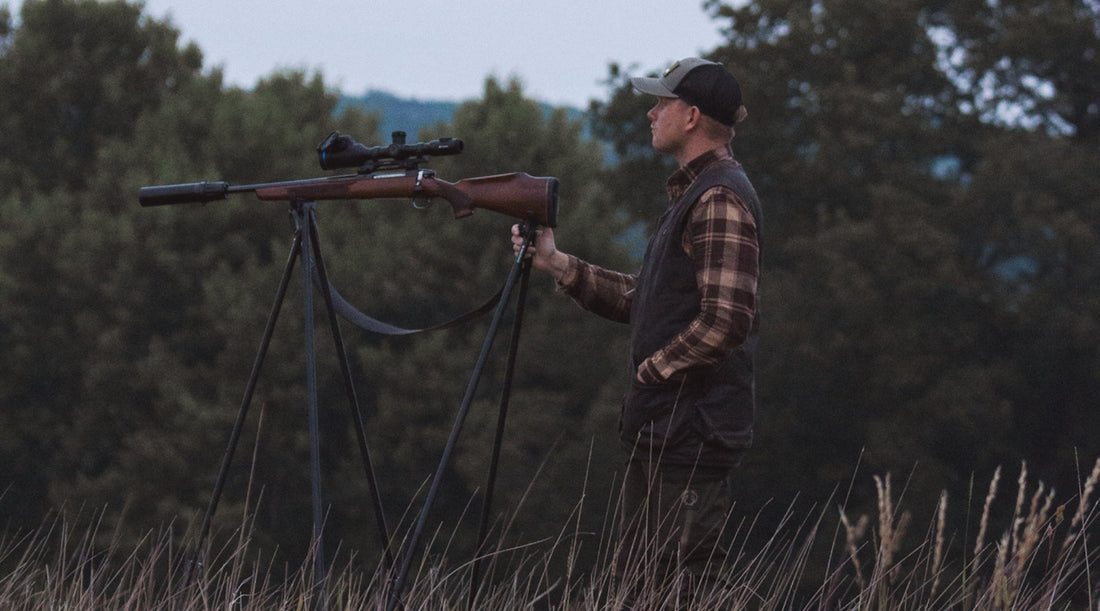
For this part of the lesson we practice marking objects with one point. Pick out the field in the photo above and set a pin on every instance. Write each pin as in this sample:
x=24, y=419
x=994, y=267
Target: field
x=1042, y=560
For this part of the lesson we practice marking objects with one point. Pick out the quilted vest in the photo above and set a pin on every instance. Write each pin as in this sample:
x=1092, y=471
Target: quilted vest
x=706, y=418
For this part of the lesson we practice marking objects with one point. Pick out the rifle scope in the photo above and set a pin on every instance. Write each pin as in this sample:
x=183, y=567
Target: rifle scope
x=340, y=151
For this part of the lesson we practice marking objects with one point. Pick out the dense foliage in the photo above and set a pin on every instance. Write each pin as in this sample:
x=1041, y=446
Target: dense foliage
x=934, y=237
x=931, y=302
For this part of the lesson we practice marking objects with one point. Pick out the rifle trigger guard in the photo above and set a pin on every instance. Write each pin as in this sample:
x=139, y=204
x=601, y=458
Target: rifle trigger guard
x=420, y=203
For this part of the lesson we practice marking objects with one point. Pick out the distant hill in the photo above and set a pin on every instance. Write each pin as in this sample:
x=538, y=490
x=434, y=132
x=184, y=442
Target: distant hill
x=400, y=114
x=410, y=115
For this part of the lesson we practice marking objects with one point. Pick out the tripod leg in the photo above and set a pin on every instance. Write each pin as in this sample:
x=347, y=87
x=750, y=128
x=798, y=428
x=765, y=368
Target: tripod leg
x=250, y=388
x=353, y=399
x=303, y=216
x=456, y=429
x=505, y=396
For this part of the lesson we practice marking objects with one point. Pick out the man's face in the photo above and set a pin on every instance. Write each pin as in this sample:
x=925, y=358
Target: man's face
x=668, y=121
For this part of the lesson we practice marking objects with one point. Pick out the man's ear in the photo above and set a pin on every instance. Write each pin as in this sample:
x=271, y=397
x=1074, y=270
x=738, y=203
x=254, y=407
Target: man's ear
x=695, y=117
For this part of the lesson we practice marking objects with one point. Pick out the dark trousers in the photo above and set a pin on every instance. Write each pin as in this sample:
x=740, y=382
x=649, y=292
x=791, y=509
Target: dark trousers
x=670, y=548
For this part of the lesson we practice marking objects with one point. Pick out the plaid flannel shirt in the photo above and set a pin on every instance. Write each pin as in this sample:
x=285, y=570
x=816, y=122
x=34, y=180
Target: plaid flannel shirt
x=721, y=237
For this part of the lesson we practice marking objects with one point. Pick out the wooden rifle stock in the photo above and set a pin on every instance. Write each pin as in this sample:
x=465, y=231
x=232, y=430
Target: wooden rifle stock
x=519, y=195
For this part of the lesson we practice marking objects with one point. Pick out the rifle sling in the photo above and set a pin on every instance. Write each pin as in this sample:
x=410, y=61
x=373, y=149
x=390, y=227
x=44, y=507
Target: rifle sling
x=349, y=313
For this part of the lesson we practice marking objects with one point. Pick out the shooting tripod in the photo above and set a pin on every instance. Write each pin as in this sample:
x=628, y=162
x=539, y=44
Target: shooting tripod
x=306, y=246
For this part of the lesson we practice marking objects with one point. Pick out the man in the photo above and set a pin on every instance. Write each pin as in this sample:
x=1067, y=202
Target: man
x=687, y=414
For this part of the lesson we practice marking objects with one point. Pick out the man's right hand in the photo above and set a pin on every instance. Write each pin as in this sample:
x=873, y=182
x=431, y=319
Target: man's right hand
x=543, y=253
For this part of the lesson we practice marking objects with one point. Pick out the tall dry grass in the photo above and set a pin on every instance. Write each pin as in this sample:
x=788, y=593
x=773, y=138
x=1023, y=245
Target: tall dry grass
x=1043, y=559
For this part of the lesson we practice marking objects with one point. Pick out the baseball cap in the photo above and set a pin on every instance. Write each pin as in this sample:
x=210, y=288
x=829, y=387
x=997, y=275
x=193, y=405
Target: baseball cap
x=701, y=83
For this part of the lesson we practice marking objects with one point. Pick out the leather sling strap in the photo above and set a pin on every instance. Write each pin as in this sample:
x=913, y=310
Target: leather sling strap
x=351, y=314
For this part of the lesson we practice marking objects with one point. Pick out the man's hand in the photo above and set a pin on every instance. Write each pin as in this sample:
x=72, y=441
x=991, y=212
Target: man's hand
x=543, y=252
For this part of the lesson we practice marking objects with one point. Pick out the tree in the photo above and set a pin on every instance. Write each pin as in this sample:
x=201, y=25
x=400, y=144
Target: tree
x=198, y=283
x=905, y=229
x=119, y=335
x=123, y=389
x=107, y=65
x=414, y=267
x=1027, y=63
x=849, y=124
x=84, y=71
x=1027, y=214
x=1030, y=217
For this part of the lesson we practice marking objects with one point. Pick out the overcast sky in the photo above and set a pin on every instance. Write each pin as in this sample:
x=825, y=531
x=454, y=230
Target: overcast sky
x=442, y=49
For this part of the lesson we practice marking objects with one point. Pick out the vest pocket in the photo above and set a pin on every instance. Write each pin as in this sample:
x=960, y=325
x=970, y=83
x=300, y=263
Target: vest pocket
x=725, y=426
x=725, y=419
x=655, y=415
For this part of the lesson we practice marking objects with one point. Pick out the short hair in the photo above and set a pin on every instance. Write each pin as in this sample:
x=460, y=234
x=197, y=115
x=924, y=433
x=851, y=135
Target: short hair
x=715, y=129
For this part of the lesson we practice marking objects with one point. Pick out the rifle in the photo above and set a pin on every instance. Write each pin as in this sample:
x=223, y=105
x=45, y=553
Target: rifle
x=519, y=195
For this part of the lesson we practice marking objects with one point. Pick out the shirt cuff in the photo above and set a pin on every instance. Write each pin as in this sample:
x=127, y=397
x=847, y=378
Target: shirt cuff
x=648, y=374
x=569, y=277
